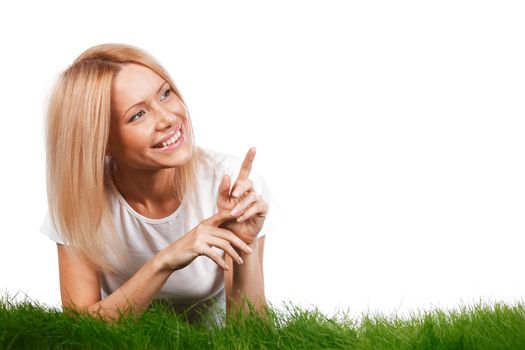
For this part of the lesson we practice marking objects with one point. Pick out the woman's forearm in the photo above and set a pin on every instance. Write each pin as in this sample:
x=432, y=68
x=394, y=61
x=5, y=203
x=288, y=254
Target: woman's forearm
x=136, y=294
x=248, y=282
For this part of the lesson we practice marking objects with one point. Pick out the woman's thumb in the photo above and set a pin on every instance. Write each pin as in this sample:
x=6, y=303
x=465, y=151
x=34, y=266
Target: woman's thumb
x=219, y=218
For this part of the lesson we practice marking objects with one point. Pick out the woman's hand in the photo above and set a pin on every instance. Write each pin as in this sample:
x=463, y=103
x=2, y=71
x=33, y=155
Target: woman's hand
x=250, y=208
x=199, y=241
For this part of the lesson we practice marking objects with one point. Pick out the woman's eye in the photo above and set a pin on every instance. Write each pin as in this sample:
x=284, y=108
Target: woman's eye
x=165, y=95
x=133, y=117
x=168, y=93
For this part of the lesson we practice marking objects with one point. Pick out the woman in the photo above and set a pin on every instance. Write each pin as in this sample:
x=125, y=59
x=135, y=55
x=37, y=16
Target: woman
x=138, y=211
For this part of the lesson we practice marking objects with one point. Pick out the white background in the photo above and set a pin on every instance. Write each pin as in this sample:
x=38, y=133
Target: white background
x=391, y=133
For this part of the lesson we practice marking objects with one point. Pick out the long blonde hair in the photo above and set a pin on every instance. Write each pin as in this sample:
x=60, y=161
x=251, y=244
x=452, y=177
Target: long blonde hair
x=78, y=167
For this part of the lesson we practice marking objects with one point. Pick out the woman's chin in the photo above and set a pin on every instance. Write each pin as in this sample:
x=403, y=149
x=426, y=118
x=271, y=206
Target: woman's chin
x=176, y=158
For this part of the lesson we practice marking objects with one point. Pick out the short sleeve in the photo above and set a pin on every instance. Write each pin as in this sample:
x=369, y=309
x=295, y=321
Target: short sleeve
x=49, y=230
x=275, y=215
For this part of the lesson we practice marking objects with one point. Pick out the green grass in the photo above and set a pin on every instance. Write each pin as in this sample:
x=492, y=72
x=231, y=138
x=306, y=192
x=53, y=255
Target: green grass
x=28, y=325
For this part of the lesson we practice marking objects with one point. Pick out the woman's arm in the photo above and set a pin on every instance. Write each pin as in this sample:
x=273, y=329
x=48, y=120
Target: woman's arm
x=248, y=211
x=77, y=276
x=247, y=280
x=136, y=294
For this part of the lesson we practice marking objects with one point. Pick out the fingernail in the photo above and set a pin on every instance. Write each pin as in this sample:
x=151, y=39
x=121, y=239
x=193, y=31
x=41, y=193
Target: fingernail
x=234, y=211
x=240, y=261
x=248, y=249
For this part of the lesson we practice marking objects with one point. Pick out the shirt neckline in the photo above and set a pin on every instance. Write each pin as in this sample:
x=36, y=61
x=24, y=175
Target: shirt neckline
x=141, y=217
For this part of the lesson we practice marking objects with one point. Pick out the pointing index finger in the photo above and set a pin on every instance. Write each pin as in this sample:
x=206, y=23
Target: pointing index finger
x=246, y=166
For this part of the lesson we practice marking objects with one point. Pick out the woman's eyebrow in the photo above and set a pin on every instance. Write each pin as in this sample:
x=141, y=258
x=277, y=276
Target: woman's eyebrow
x=141, y=102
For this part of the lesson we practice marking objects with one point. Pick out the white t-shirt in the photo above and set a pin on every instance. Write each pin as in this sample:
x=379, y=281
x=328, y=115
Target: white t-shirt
x=202, y=280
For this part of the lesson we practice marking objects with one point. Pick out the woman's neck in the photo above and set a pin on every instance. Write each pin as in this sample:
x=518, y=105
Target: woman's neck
x=151, y=191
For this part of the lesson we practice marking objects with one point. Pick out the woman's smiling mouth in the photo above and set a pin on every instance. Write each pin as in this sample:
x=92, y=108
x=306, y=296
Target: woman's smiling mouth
x=172, y=142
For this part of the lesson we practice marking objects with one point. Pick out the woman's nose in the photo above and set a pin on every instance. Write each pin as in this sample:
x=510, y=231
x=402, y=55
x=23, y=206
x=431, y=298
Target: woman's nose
x=166, y=117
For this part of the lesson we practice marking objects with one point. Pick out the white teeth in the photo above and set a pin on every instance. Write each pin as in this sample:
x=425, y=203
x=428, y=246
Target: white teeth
x=170, y=141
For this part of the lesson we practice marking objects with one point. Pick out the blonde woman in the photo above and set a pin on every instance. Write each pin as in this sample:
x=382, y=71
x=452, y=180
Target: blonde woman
x=137, y=210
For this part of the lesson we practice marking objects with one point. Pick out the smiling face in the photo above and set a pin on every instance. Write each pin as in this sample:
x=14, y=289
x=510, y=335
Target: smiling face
x=144, y=111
